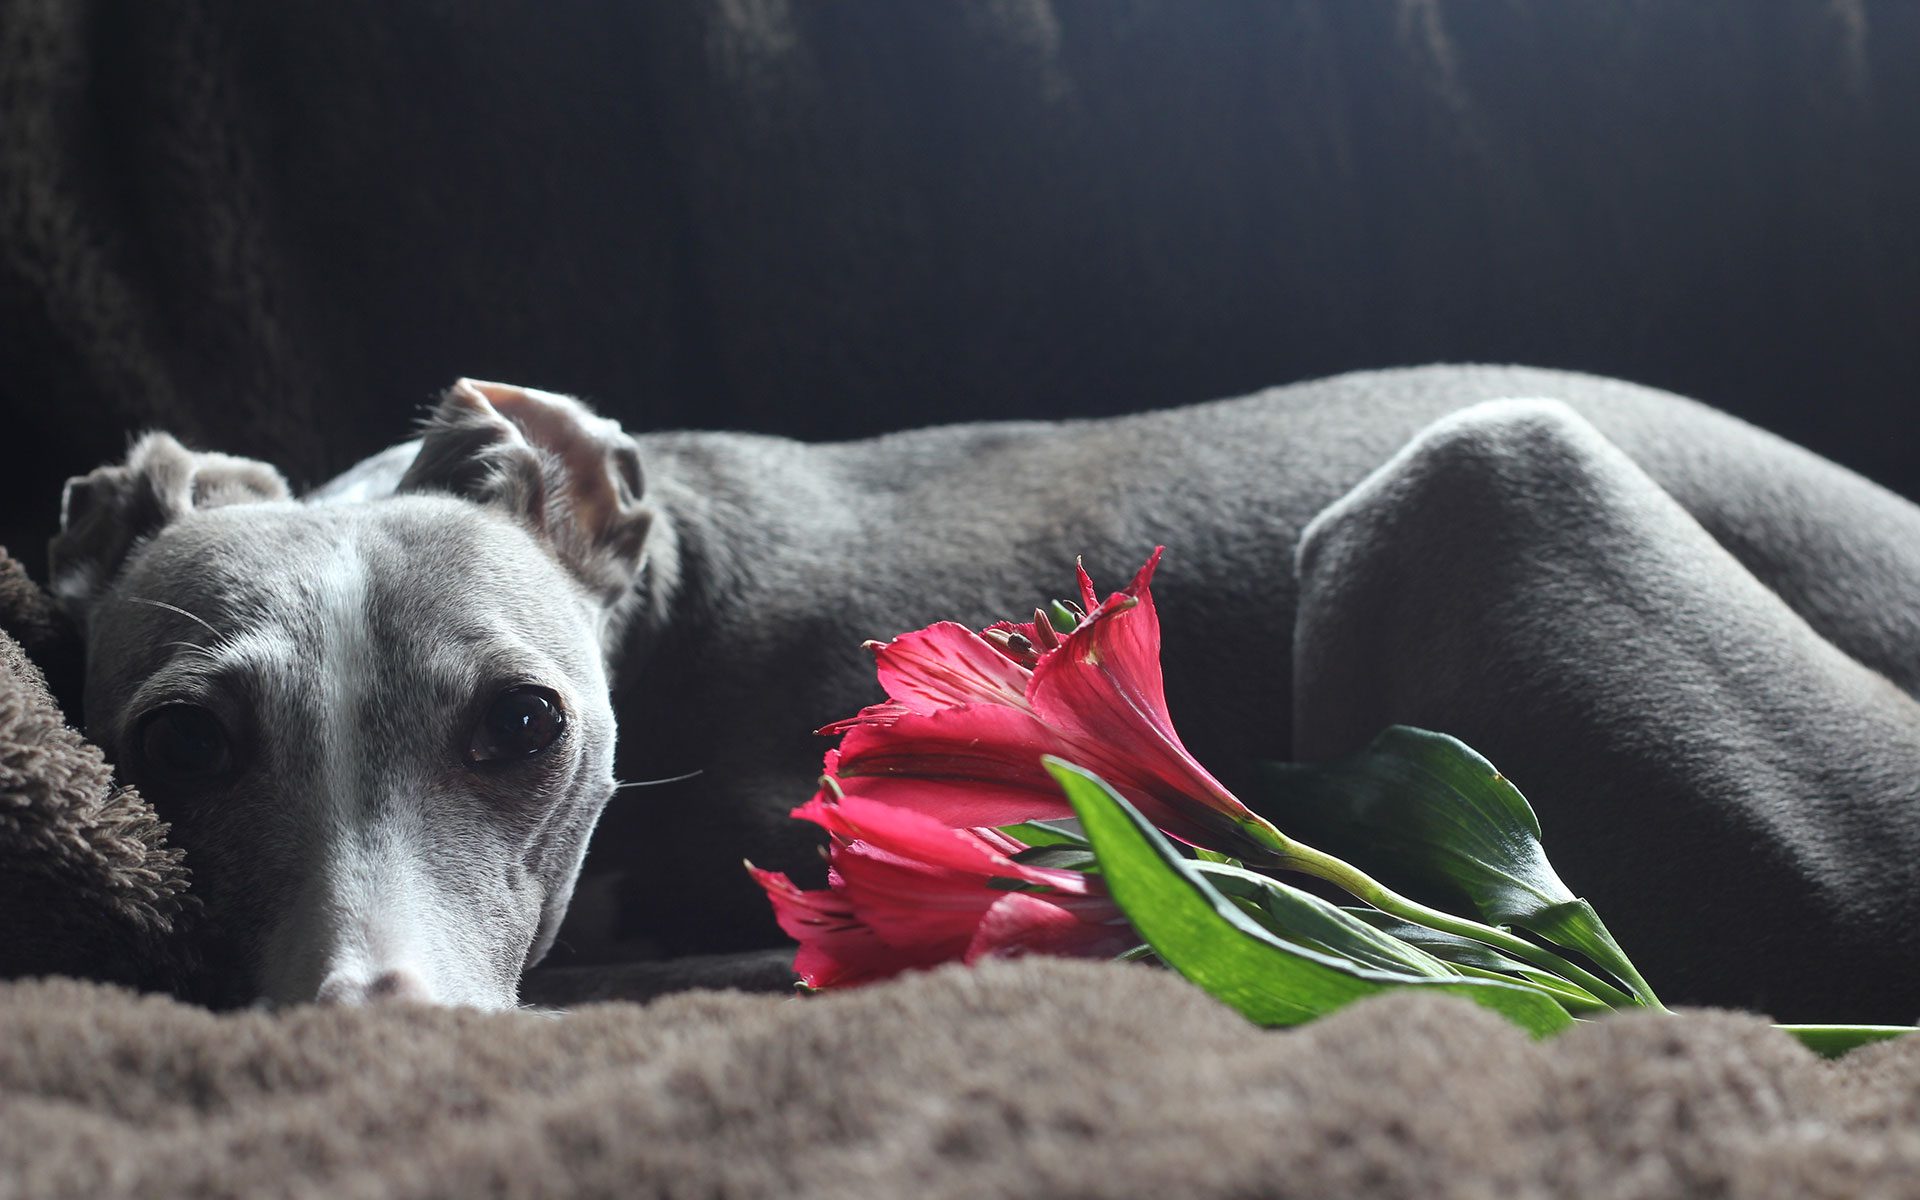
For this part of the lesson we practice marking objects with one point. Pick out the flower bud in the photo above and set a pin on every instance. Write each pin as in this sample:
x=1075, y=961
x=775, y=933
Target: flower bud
x=1066, y=615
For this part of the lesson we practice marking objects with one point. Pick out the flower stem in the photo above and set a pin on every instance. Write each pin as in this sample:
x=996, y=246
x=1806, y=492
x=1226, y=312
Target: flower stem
x=1298, y=856
x=1622, y=966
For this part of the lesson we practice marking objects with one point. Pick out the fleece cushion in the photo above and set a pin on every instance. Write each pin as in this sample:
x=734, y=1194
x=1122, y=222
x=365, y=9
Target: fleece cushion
x=1033, y=1078
x=87, y=883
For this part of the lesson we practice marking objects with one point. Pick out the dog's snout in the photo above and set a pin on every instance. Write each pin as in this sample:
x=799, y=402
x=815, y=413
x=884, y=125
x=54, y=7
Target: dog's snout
x=399, y=985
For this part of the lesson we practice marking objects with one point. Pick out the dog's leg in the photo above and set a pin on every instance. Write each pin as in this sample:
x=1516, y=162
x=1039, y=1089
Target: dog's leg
x=1740, y=799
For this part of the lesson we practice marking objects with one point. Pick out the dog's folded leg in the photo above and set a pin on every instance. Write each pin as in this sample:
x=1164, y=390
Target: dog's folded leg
x=1739, y=798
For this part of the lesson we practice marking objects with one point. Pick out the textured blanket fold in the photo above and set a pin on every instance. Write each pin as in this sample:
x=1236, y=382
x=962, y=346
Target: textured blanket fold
x=87, y=883
x=1016, y=1079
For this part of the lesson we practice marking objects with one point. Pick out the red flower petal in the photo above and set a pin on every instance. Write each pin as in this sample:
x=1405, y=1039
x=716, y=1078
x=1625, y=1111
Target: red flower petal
x=1087, y=603
x=1098, y=700
x=902, y=832
x=1120, y=643
x=965, y=803
x=837, y=949
x=1021, y=923
x=882, y=714
x=980, y=742
x=890, y=834
x=917, y=876
x=946, y=665
x=1103, y=690
x=970, y=766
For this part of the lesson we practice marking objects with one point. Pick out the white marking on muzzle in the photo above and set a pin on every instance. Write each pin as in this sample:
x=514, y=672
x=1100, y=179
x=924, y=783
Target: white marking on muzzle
x=348, y=667
x=367, y=922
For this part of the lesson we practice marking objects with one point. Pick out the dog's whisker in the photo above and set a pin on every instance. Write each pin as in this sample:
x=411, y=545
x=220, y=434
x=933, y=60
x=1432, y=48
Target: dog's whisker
x=174, y=608
x=642, y=783
x=195, y=647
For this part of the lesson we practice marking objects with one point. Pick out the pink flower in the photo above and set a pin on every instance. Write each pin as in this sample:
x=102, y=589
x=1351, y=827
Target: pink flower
x=969, y=715
x=905, y=891
x=918, y=874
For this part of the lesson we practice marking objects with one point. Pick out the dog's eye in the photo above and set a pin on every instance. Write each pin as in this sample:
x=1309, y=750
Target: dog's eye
x=184, y=743
x=520, y=722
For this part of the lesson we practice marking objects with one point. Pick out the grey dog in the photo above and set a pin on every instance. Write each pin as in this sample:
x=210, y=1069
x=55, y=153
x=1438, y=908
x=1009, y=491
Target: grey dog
x=382, y=718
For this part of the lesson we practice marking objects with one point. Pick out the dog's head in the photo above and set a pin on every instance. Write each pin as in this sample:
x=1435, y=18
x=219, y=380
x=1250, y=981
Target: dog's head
x=380, y=729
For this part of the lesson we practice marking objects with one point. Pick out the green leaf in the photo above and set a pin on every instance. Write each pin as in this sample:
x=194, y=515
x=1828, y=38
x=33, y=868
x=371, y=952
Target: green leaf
x=1448, y=947
x=1046, y=833
x=1466, y=954
x=1060, y=858
x=1831, y=1041
x=1432, y=809
x=1428, y=808
x=1306, y=920
x=1205, y=936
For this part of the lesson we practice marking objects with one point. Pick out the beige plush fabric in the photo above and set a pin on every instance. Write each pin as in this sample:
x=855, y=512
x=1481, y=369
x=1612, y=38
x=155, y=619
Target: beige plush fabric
x=1037, y=1078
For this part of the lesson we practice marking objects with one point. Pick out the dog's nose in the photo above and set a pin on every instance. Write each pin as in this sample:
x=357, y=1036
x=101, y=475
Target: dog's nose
x=399, y=985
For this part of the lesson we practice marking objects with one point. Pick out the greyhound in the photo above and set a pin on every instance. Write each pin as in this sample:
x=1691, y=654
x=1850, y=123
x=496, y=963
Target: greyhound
x=381, y=719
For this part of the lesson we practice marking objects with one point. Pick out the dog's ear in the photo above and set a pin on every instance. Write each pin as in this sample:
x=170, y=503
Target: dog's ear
x=571, y=477
x=109, y=511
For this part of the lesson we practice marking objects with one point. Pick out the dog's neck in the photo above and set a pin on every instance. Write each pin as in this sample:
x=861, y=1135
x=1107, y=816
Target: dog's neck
x=631, y=629
x=694, y=552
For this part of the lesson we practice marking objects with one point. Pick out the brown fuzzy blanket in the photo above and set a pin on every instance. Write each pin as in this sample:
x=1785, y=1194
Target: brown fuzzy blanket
x=87, y=884
x=1024, y=1079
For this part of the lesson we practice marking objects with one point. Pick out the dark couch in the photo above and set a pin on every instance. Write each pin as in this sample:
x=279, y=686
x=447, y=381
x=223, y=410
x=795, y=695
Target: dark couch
x=277, y=228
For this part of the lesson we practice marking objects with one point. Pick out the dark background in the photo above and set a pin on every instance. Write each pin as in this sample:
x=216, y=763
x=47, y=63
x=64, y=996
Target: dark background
x=277, y=228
